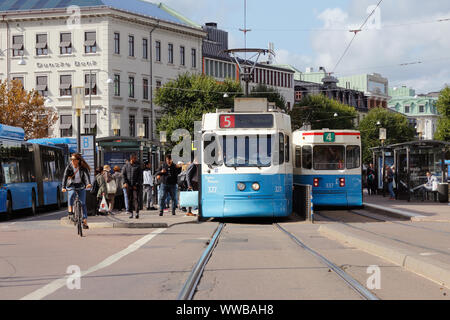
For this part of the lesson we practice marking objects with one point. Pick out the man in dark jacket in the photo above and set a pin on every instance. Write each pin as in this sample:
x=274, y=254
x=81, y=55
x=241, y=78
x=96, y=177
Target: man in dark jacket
x=169, y=175
x=132, y=182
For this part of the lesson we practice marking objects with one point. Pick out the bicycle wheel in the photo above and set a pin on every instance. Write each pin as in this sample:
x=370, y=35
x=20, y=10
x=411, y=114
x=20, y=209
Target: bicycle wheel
x=79, y=217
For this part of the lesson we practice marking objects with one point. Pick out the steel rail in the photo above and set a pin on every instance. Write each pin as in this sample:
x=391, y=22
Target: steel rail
x=189, y=288
x=355, y=285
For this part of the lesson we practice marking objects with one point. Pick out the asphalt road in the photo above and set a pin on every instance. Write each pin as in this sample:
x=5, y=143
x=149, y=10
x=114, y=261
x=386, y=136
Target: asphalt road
x=251, y=261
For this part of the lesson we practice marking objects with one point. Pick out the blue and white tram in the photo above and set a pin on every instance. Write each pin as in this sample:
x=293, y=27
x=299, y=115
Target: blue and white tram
x=246, y=163
x=329, y=161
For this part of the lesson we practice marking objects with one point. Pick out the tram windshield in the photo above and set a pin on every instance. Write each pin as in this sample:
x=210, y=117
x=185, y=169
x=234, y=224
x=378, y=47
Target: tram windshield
x=329, y=158
x=247, y=150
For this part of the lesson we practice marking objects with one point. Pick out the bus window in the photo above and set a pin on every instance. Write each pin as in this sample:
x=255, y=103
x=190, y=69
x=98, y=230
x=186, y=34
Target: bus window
x=281, y=149
x=298, y=157
x=307, y=157
x=353, y=157
x=329, y=157
x=11, y=172
x=288, y=149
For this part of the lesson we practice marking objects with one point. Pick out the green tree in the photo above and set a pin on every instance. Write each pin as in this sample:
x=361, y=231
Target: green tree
x=397, y=128
x=272, y=95
x=319, y=111
x=187, y=98
x=443, y=106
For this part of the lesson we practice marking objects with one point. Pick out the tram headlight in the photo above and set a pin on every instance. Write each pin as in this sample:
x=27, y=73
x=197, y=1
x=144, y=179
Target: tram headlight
x=256, y=186
x=241, y=186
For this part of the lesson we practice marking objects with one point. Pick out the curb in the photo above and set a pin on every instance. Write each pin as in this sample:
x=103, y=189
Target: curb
x=395, y=213
x=125, y=225
x=436, y=271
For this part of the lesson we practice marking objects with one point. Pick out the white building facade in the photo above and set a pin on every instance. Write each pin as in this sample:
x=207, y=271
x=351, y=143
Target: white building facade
x=122, y=56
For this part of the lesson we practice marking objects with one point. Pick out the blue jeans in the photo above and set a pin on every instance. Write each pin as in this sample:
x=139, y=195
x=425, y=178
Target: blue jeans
x=391, y=190
x=125, y=197
x=82, y=197
x=168, y=189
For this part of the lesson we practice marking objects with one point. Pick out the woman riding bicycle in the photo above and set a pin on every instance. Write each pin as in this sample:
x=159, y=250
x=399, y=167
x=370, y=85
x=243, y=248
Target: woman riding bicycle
x=76, y=180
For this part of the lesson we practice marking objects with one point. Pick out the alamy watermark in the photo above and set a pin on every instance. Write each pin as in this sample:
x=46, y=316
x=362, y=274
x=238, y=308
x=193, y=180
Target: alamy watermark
x=73, y=281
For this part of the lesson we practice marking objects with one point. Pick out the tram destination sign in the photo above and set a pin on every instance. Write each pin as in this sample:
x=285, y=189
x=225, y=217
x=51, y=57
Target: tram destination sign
x=246, y=121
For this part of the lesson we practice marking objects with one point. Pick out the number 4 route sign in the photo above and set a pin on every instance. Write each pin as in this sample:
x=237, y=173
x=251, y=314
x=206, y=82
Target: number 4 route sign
x=329, y=137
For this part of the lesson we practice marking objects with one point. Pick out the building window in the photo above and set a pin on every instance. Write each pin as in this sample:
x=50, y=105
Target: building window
x=42, y=85
x=145, y=48
x=65, y=85
x=90, y=83
x=146, y=127
x=65, y=45
x=421, y=108
x=158, y=85
x=207, y=67
x=194, y=58
x=65, y=125
x=41, y=45
x=131, y=87
x=17, y=46
x=117, y=85
x=117, y=43
x=216, y=68
x=90, y=123
x=131, y=46
x=158, y=51
x=19, y=79
x=407, y=109
x=298, y=95
x=170, y=53
x=132, y=122
x=145, y=86
x=182, y=56
x=90, y=42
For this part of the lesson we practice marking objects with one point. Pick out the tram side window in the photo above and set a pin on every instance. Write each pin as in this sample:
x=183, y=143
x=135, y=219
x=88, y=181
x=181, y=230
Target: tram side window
x=307, y=157
x=288, y=149
x=281, y=148
x=353, y=157
x=298, y=157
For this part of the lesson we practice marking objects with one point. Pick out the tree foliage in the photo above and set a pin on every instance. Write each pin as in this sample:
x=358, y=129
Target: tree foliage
x=25, y=109
x=397, y=128
x=187, y=98
x=443, y=106
x=319, y=111
x=272, y=95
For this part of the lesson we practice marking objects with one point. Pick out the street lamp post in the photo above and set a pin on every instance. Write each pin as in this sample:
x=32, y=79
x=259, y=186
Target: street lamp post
x=78, y=104
x=109, y=81
x=141, y=135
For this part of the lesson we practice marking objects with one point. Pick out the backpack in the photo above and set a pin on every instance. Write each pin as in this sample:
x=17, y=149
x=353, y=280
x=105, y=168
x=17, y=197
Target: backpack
x=182, y=179
x=95, y=188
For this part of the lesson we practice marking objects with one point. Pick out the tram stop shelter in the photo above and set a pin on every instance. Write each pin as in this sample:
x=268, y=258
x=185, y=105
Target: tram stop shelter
x=412, y=161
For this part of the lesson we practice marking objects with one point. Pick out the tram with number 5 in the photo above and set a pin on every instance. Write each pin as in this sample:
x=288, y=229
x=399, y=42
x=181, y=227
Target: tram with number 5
x=329, y=161
x=246, y=162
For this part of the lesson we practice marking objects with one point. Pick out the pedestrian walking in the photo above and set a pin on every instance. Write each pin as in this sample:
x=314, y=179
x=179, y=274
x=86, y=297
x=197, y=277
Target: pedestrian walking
x=390, y=182
x=371, y=183
x=132, y=181
x=192, y=179
x=111, y=188
x=148, y=186
x=76, y=180
x=119, y=200
x=182, y=182
x=169, y=175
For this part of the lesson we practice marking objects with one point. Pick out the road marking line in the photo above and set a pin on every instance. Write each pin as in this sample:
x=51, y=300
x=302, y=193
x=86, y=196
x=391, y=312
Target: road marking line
x=59, y=283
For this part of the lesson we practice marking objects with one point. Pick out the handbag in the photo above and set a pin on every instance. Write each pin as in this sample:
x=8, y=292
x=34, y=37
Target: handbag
x=189, y=199
x=103, y=206
x=111, y=186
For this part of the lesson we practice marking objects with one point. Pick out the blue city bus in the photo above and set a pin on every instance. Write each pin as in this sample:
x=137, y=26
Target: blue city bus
x=30, y=174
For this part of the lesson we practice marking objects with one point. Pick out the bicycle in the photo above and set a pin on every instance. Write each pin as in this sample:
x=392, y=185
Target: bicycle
x=77, y=212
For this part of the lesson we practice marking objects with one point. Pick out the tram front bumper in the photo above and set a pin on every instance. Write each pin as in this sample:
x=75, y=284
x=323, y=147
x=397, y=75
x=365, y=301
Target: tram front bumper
x=247, y=207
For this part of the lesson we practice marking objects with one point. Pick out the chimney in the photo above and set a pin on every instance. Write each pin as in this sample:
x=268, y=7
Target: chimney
x=211, y=25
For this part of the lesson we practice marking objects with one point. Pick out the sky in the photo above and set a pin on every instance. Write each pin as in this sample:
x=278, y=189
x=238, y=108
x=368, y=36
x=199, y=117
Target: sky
x=402, y=41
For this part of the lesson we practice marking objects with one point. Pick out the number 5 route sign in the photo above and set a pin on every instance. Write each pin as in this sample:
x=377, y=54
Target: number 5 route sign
x=227, y=121
x=329, y=137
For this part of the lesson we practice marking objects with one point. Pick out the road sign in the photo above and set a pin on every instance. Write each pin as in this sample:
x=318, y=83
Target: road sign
x=329, y=137
x=382, y=134
x=87, y=149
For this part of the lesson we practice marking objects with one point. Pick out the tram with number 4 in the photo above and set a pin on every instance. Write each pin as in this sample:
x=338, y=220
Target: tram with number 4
x=329, y=161
x=246, y=162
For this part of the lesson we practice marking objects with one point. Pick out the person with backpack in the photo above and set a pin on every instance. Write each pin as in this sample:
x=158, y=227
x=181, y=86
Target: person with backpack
x=169, y=176
x=132, y=182
x=119, y=198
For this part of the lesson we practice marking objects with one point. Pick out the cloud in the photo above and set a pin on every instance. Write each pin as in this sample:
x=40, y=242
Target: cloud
x=392, y=44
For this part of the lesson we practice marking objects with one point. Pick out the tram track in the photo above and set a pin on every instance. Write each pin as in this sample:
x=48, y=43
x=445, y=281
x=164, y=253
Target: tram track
x=355, y=285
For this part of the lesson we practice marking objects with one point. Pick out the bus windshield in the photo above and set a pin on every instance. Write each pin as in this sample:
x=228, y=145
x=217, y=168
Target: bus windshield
x=329, y=158
x=247, y=150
